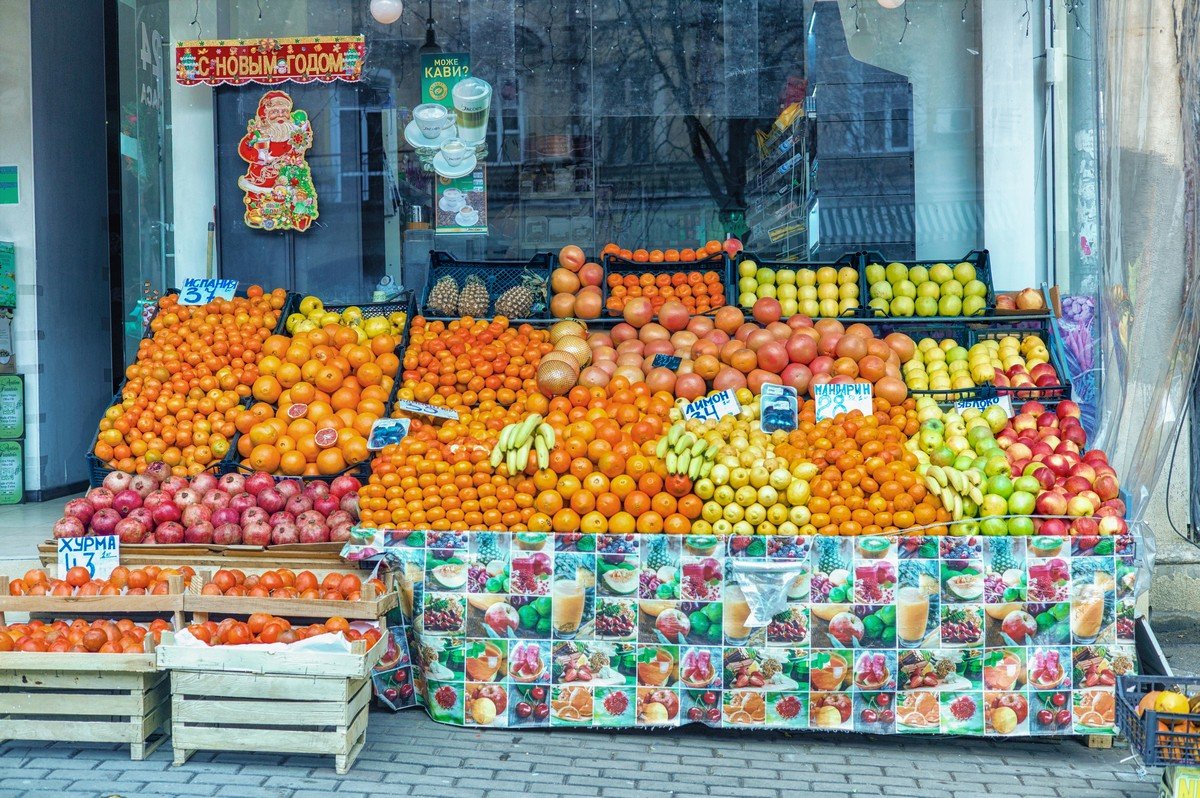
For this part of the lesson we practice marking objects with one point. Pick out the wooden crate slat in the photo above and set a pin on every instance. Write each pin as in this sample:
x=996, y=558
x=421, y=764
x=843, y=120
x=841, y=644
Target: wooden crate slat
x=68, y=730
x=291, y=607
x=24, y=661
x=249, y=685
x=118, y=605
x=252, y=659
x=73, y=680
x=42, y=703
x=212, y=711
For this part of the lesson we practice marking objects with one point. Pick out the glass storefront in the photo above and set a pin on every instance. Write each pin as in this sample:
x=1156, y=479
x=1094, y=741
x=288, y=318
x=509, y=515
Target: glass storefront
x=924, y=130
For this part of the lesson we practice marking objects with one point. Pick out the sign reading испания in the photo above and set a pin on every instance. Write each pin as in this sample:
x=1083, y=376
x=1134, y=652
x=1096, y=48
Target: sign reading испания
x=301, y=59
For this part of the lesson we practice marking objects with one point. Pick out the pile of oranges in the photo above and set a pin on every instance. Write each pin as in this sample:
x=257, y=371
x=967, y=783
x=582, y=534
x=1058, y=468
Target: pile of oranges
x=602, y=475
x=287, y=584
x=468, y=362
x=80, y=636
x=263, y=628
x=683, y=255
x=148, y=581
x=699, y=292
x=183, y=390
x=866, y=484
x=317, y=395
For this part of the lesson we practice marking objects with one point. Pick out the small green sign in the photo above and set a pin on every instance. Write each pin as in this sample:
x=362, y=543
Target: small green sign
x=8, y=274
x=12, y=472
x=8, y=185
x=12, y=406
x=439, y=73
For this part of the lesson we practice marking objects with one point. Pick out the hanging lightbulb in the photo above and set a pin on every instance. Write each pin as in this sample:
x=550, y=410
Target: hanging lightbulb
x=386, y=12
x=890, y=4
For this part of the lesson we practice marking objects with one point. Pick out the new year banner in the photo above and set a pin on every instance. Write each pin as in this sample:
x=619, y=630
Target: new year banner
x=1001, y=636
x=303, y=59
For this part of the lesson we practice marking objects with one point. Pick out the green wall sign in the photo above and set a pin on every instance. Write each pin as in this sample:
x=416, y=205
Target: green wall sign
x=8, y=185
x=439, y=73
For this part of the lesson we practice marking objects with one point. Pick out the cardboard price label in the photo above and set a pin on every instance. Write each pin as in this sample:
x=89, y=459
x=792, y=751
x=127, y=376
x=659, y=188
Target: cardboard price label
x=666, y=361
x=720, y=404
x=842, y=398
x=201, y=292
x=1004, y=400
x=100, y=555
x=426, y=409
x=778, y=408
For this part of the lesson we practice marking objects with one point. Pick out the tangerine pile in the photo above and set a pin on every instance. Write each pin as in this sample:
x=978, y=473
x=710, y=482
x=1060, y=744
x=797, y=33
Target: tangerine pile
x=264, y=628
x=684, y=255
x=699, y=292
x=866, y=484
x=470, y=361
x=182, y=391
x=287, y=584
x=318, y=393
x=148, y=581
x=80, y=636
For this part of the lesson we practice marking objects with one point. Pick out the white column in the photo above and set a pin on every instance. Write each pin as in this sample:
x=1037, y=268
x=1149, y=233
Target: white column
x=193, y=145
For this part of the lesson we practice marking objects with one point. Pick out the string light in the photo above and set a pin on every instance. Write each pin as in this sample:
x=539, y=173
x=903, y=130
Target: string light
x=259, y=4
x=196, y=16
x=907, y=22
x=854, y=8
x=964, y=11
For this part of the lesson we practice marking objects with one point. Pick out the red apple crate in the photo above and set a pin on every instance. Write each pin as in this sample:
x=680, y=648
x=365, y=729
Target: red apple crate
x=1159, y=738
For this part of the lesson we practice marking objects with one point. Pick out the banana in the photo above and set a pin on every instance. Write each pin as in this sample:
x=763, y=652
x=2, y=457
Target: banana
x=686, y=441
x=933, y=485
x=695, y=468
x=510, y=460
x=958, y=507
x=543, y=452
x=523, y=455
x=940, y=475
x=976, y=495
x=547, y=432
x=672, y=461
x=706, y=469
x=506, y=436
x=527, y=428
x=975, y=477
x=497, y=456
x=958, y=480
x=681, y=465
x=674, y=433
x=699, y=447
x=660, y=451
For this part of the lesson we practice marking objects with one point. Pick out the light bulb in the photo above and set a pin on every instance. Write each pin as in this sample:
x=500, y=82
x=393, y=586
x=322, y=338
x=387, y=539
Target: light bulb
x=889, y=4
x=386, y=12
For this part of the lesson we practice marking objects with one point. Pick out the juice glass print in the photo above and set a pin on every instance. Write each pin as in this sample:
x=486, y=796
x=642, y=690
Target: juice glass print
x=1087, y=613
x=737, y=612
x=567, y=611
x=912, y=616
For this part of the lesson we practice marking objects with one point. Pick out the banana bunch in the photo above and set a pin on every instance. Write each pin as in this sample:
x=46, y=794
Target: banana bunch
x=685, y=453
x=517, y=440
x=953, y=487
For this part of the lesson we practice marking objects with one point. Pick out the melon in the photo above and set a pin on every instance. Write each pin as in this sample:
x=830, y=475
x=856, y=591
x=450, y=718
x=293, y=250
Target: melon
x=451, y=575
x=966, y=586
x=622, y=581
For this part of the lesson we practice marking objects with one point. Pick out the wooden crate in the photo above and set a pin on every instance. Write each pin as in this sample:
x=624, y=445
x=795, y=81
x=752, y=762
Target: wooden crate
x=114, y=606
x=370, y=608
x=298, y=557
x=243, y=698
x=108, y=698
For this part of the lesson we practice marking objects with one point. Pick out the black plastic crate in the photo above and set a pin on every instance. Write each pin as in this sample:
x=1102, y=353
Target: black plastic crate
x=977, y=258
x=720, y=263
x=853, y=260
x=1179, y=742
x=1049, y=395
x=361, y=471
x=497, y=275
x=289, y=306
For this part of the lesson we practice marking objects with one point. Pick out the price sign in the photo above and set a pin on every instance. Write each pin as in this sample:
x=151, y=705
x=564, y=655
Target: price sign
x=1003, y=400
x=100, y=555
x=666, y=361
x=426, y=409
x=387, y=431
x=842, y=398
x=201, y=292
x=777, y=407
x=720, y=404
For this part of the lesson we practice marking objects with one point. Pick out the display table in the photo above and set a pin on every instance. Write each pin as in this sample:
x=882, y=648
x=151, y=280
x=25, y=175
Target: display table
x=953, y=635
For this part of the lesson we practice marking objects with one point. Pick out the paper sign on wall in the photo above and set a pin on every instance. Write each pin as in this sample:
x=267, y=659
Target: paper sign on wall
x=198, y=291
x=777, y=406
x=100, y=555
x=720, y=404
x=1004, y=400
x=9, y=194
x=842, y=398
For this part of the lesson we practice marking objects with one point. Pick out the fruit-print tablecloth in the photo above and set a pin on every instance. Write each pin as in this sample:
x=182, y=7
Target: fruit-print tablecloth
x=954, y=635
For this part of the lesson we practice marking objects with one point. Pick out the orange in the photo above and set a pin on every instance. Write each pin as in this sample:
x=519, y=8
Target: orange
x=565, y=521
x=548, y=502
x=293, y=463
x=369, y=374
x=330, y=461
x=595, y=483
x=383, y=344
x=623, y=485
x=328, y=379
x=266, y=389
x=593, y=523
x=637, y=503
x=355, y=451
x=568, y=485
x=609, y=504
x=264, y=457
x=649, y=523
x=662, y=503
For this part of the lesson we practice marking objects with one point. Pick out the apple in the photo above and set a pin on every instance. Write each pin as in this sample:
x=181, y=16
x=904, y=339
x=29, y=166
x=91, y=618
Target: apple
x=1112, y=525
x=994, y=527
x=1058, y=464
x=1084, y=527
x=1075, y=434
x=1051, y=503
x=1076, y=485
x=1117, y=504
x=1020, y=527
x=846, y=628
x=1041, y=450
x=500, y=618
x=1029, y=299
x=1020, y=626
x=1024, y=421
x=1079, y=507
x=1054, y=527
x=1022, y=502
x=1106, y=486
x=1044, y=476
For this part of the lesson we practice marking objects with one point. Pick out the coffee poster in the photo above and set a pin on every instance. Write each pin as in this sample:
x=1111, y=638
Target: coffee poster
x=439, y=74
x=460, y=206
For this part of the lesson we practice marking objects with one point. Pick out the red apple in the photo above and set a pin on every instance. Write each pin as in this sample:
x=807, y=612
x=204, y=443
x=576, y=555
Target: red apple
x=1055, y=527
x=1079, y=507
x=1023, y=421
x=1018, y=451
x=1047, y=419
x=1050, y=503
x=1085, y=526
x=1112, y=525
x=1106, y=486
x=1020, y=626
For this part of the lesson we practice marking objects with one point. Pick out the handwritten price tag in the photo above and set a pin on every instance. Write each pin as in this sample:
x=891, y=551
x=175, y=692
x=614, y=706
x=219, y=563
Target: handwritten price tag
x=100, y=555
x=1003, y=400
x=427, y=409
x=201, y=292
x=666, y=361
x=843, y=398
x=720, y=404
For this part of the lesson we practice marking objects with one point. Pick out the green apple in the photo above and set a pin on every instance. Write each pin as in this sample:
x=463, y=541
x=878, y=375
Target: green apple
x=935, y=424
x=904, y=288
x=940, y=273
x=765, y=276
x=747, y=268
x=962, y=462
x=964, y=528
x=1022, y=502
x=994, y=527
x=926, y=306
x=952, y=288
x=918, y=274
x=785, y=291
x=882, y=291
x=964, y=273
x=977, y=435
x=789, y=307
x=1001, y=485
x=747, y=285
x=942, y=456
x=1020, y=527
x=900, y=306
x=979, y=463
x=897, y=272
x=955, y=353
x=975, y=288
x=785, y=277
x=973, y=306
x=929, y=441
x=1027, y=484
x=880, y=306
x=950, y=305
x=995, y=417
x=928, y=289
x=996, y=464
x=876, y=273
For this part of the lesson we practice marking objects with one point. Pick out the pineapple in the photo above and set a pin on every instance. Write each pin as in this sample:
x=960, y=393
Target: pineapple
x=657, y=555
x=443, y=298
x=1002, y=555
x=515, y=303
x=488, y=549
x=474, y=299
x=831, y=556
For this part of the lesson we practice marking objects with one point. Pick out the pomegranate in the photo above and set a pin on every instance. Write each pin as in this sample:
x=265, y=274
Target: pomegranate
x=326, y=505
x=282, y=535
x=257, y=482
x=227, y=535
x=203, y=482
x=126, y=501
x=143, y=516
x=130, y=530
x=187, y=497
x=338, y=517
x=253, y=515
x=169, y=533
x=195, y=513
x=298, y=504
x=316, y=489
x=343, y=485
x=99, y=498
x=233, y=483
x=314, y=533
x=215, y=499
x=350, y=504
x=156, y=497
x=158, y=471
x=105, y=521
x=199, y=532
x=289, y=487
x=256, y=533
x=242, y=502
x=81, y=509
x=142, y=485
x=339, y=533
x=225, y=515
x=117, y=481
x=174, y=484
x=166, y=511
x=271, y=500
x=69, y=526
x=281, y=517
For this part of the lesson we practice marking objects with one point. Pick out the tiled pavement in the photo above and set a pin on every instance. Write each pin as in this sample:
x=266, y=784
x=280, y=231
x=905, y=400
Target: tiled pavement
x=409, y=755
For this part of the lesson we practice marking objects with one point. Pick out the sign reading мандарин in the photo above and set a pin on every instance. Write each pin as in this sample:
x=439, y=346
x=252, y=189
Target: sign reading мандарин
x=299, y=59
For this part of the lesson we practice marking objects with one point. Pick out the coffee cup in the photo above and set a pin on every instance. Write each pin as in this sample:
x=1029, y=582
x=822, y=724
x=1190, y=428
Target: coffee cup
x=431, y=119
x=454, y=151
x=472, y=98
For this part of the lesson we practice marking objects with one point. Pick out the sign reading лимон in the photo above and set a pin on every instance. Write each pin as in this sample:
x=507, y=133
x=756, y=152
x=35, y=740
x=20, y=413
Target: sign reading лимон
x=720, y=404
x=302, y=59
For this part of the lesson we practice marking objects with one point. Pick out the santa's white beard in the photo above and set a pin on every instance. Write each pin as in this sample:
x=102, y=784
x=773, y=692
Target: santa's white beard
x=276, y=131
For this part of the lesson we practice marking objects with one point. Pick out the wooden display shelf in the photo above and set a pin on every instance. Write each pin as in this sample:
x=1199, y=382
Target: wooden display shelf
x=110, y=698
x=293, y=701
x=64, y=607
x=370, y=608
x=298, y=557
